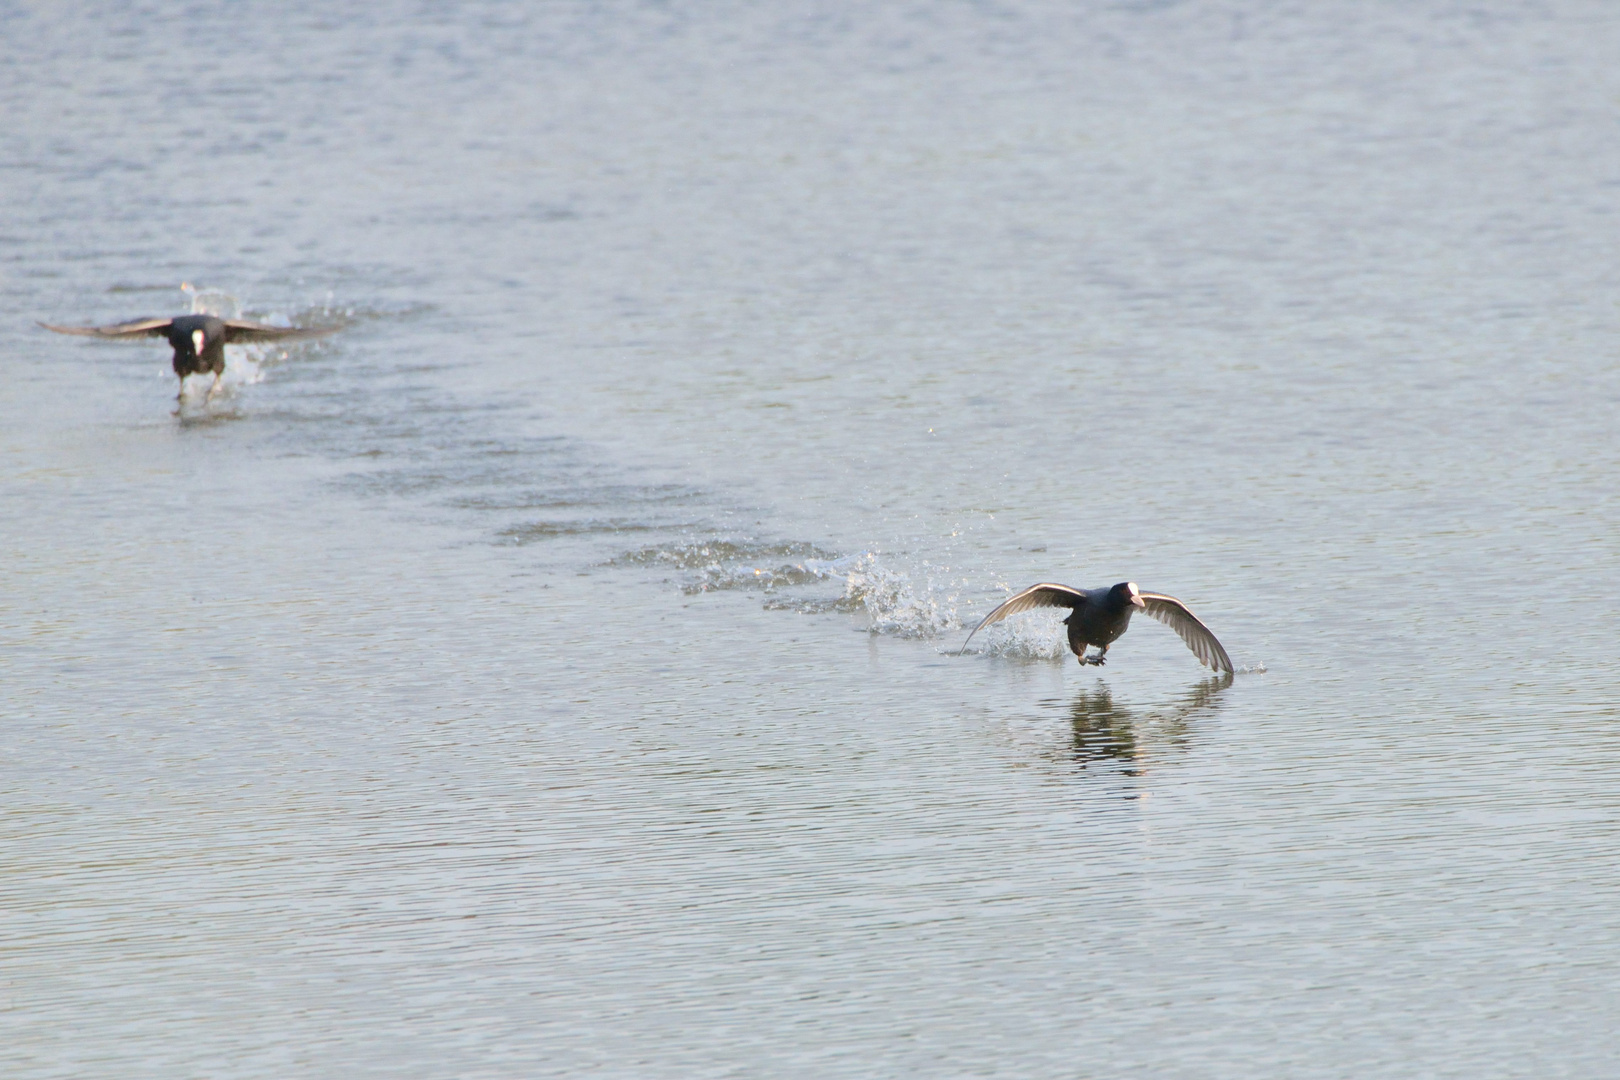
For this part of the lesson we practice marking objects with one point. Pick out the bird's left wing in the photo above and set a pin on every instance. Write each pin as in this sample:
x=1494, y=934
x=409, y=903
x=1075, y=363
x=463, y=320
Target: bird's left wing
x=1045, y=594
x=138, y=328
x=1174, y=614
x=240, y=330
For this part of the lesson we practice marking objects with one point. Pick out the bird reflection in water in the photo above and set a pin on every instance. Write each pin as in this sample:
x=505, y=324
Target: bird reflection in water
x=1106, y=733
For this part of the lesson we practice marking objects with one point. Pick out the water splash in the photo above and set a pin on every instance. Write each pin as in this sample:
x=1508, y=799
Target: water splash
x=895, y=603
x=711, y=565
x=905, y=602
x=1034, y=635
x=215, y=302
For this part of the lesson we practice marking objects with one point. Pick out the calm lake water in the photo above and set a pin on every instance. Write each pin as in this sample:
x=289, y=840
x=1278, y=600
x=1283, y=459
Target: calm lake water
x=553, y=674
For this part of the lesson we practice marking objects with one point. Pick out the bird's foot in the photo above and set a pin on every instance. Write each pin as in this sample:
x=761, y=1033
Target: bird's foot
x=1096, y=661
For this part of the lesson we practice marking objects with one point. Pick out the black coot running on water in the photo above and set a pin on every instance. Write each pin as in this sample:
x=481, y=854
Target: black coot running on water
x=199, y=340
x=1101, y=615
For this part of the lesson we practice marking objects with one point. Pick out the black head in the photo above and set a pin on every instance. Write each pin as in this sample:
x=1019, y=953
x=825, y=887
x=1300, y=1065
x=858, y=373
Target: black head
x=1126, y=593
x=193, y=337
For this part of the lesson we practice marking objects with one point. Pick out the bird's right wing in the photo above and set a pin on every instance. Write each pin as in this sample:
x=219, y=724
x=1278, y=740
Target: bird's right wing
x=241, y=330
x=138, y=328
x=1045, y=594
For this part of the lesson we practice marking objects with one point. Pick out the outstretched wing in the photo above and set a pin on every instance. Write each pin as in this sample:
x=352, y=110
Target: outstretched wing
x=138, y=328
x=240, y=330
x=1174, y=614
x=1045, y=594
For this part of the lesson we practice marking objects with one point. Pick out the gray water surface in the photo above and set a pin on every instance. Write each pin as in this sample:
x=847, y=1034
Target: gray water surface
x=554, y=673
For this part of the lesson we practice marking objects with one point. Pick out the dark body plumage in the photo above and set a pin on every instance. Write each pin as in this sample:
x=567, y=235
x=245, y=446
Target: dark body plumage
x=199, y=340
x=1100, y=616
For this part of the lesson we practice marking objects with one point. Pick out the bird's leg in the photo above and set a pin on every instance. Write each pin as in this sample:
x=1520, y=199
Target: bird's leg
x=214, y=387
x=180, y=398
x=1098, y=660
